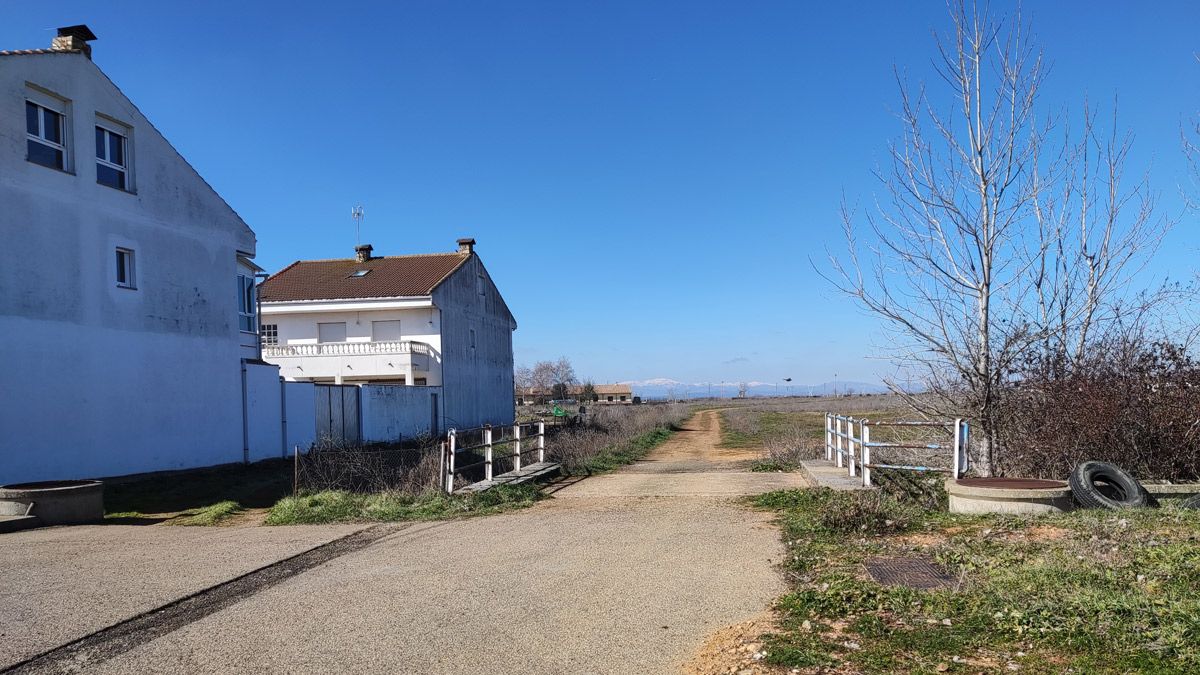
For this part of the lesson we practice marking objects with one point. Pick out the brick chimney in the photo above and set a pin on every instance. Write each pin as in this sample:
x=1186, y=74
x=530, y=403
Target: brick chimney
x=466, y=245
x=74, y=38
x=362, y=252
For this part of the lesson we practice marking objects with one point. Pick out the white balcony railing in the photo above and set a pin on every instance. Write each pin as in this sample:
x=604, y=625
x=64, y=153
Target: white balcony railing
x=346, y=348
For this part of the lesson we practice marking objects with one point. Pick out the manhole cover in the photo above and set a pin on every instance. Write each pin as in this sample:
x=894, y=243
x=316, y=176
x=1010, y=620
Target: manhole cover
x=1013, y=483
x=909, y=572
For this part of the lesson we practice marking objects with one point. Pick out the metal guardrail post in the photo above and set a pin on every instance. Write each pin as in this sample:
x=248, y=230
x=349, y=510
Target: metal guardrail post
x=839, y=441
x=960, y=459
x=866, y=453
x=850, y=444
x=828, y=438
x=452, y=448
x=487, y=452
x=541, y=441
x=516, y=447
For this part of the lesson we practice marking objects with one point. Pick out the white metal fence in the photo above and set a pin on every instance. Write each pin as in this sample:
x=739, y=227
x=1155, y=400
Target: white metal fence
x=849, y=445
x=514, y=443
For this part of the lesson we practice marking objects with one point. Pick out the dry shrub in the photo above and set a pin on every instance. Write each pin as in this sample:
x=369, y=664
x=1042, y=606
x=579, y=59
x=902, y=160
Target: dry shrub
x=373, y=468
x=1135, y=405
x=788, y=447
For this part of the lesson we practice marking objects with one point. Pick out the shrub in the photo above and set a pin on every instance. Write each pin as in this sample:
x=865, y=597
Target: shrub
x=1128, y=403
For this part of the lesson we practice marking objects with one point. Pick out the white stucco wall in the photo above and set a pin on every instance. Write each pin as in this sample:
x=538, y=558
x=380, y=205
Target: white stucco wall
x=100, y=380
x=391, y=413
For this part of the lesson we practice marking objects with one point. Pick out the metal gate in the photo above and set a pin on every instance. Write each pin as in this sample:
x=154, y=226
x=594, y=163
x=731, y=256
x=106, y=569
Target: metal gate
x=338, y=419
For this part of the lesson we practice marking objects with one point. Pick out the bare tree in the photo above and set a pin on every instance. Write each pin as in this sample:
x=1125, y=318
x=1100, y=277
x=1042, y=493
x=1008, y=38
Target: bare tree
x=563, y=374
x=998, y=233
x=523, y=378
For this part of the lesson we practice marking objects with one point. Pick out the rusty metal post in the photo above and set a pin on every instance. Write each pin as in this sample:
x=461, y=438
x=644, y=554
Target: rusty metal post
x=296, y=471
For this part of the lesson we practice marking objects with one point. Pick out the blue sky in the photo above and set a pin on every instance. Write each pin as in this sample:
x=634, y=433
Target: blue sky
x=647, y=180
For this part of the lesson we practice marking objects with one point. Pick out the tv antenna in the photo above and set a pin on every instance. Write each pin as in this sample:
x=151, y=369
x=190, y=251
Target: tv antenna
x=357, y=214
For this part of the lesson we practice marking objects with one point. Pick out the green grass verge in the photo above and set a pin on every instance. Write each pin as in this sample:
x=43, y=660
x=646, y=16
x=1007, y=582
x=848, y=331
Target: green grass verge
x=338, y=506
x=1088, y=591
x=626, y=453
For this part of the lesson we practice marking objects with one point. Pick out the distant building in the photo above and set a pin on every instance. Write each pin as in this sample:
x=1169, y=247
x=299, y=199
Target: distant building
x=433, y=320
x=125, y=341
x=605, y=393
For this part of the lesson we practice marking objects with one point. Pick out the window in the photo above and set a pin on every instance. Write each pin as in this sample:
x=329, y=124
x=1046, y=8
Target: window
x=610, y=399
x=270, y=333
x=110, y=159
x=359, y=274
x=622, y=398
x=246, y=306
x=385, y=331
x=45, y=136
x=125, y=269
x=331, y=332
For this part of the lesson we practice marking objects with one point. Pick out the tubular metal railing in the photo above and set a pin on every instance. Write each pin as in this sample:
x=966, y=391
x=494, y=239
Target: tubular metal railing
x=452, y=448
x=848, y=444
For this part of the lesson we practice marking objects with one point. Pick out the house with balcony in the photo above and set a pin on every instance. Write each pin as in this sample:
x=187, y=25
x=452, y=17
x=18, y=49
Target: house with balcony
x=431, y=320
x=126, y=348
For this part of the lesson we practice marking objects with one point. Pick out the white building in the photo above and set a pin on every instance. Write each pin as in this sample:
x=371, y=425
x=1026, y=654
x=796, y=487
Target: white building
x=432, y=320
x=124, y=339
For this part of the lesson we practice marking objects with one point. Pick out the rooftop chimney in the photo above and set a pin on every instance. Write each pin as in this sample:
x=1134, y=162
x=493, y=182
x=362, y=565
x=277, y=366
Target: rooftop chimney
x=74, y=38
x=466, y=245
x=362, y=252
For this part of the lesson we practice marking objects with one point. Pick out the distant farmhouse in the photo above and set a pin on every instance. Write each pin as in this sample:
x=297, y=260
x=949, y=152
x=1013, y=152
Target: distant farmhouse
x=605, y=394
x=126, y=344
x=434, y=320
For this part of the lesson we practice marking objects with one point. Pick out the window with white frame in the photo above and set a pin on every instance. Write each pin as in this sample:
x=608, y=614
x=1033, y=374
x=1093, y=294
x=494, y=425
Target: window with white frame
x=45, y=132
x=246, y=305
x=111, y=153
x=126, y=277
x=270, y=333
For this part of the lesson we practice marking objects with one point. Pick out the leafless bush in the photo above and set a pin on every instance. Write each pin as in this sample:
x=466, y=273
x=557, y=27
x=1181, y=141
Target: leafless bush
x=410, y=470
x=789, y=446
x=1131, y=403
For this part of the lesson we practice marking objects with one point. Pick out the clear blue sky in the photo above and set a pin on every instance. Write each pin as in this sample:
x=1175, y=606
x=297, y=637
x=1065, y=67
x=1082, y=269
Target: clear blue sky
x=647, y=180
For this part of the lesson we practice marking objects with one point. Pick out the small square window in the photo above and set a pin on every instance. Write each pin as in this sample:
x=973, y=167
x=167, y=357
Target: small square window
x=359, y=274
x=270, y=334
x=111, y=169
x=44, y=132
x=125, y=268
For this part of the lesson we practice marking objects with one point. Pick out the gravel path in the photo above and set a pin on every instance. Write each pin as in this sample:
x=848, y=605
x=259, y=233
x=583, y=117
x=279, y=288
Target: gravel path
x=613, y=575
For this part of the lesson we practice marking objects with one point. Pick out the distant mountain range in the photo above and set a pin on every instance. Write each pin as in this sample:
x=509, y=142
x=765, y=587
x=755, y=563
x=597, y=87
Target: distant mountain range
x=661, y=387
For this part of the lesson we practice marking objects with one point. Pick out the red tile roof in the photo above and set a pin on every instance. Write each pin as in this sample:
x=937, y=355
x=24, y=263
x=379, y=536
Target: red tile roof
x=387, y=277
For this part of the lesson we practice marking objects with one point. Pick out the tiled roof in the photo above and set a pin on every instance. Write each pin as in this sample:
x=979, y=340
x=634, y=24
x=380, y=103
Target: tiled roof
x=25, y=52
x=386, y=277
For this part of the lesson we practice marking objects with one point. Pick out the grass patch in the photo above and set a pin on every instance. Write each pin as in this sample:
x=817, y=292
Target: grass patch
x=771, y=466
x=1089, y=591
x=628, y=452
x=209, y=515
x=339, y=506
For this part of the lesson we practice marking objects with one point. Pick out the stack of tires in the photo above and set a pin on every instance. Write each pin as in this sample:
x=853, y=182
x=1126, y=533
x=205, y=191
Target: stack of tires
x=1101, y=485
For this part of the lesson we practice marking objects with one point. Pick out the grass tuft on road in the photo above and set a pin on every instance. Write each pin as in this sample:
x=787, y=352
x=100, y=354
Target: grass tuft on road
x=339, y=506
x=1088, y=591
x=636, y=448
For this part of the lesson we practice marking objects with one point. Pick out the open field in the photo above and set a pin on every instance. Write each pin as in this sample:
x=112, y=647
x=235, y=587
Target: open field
x=1087, y=591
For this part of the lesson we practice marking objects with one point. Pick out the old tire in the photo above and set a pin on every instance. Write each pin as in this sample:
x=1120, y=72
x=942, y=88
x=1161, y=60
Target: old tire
x=1192, y=502
x=1100, y=485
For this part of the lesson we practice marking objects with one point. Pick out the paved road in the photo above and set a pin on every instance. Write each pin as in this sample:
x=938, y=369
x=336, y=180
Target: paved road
x=624, y=573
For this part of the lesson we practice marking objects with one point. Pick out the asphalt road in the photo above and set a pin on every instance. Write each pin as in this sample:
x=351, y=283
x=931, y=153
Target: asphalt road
x=612, y=575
